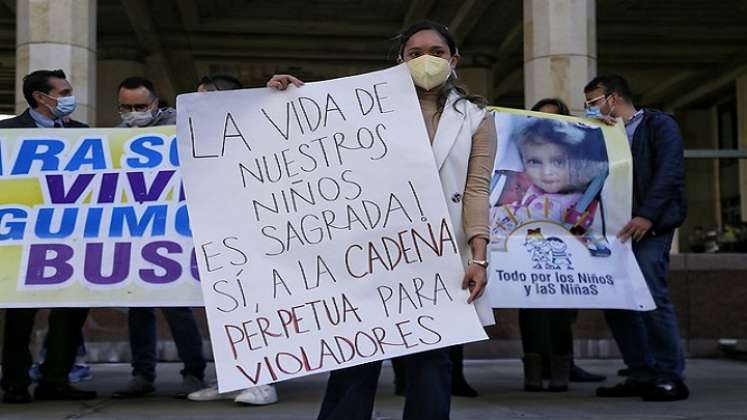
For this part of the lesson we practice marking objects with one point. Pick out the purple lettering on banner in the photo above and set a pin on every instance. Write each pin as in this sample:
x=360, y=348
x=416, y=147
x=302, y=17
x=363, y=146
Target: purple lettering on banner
x=120, y=263
x=56, y=188
x=39, y=259
x=193, y=265
x=141, y=193
x=173, y=268
x=108, y=189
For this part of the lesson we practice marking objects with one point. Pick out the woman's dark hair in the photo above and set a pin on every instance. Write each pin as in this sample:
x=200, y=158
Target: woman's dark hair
x=221, y=82
x=558, y=103
x=425, y=25
x=443, y=31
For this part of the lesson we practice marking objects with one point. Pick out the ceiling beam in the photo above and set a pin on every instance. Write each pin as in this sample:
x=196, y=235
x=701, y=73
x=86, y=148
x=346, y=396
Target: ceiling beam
x=307, y=27
x=190, y=14
x=505, y=55
x=715, y=81
x=184, y=60
x=419, y=9
x=723, y=31
x=467, y=17
x=263, y=55
x=142, y=23
x=668, y=88
x=250, y=44
x=11, y=5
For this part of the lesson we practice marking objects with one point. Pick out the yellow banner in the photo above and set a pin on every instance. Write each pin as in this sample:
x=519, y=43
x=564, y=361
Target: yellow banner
x=94, y=217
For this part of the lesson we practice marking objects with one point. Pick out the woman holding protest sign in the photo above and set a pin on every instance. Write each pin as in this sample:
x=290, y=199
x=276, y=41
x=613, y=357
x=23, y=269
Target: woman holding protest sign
x=463, y=137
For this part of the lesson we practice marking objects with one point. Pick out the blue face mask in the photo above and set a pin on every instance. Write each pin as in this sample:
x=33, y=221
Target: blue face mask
x=593, y=112
x=65, y=106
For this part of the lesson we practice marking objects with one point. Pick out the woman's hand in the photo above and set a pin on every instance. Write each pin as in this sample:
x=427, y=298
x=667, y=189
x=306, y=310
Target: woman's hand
x=281, y=81
x=475, y=279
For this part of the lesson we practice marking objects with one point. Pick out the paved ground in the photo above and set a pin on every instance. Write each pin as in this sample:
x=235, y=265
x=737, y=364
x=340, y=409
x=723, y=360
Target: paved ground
x=719, y=391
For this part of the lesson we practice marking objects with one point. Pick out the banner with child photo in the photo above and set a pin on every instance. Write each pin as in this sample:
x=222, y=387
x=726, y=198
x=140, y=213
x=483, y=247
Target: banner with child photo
x=561, y=190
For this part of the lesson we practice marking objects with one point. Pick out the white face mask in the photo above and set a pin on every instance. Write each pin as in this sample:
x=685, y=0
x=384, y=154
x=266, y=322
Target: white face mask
x=429, y=71
x=137, y=118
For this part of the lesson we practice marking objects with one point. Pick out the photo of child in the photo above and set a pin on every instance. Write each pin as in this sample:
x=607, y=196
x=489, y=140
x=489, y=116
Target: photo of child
x=553, y=170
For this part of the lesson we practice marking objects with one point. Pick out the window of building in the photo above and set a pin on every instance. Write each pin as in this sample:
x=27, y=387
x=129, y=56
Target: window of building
x=712, y=165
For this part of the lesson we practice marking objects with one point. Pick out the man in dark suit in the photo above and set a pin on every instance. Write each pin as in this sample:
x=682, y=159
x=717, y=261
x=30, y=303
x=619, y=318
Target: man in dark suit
x=51, y=101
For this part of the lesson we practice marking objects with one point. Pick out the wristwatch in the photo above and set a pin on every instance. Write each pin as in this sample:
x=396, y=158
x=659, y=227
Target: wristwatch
x=481, y=263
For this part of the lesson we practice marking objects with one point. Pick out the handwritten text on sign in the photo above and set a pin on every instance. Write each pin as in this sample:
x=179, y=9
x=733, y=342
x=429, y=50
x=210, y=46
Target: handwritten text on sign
x=322, y=233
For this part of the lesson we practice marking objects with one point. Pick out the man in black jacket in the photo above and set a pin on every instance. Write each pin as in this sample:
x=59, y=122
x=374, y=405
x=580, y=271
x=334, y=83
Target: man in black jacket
x=648, y=341
x=51, y=101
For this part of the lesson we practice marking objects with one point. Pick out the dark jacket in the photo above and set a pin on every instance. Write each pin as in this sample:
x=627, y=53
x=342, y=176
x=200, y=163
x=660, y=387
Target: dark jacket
x=659, y=172
x=26, y=121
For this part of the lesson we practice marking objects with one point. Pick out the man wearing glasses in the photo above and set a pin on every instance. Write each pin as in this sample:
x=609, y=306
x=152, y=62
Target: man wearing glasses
x=648, y=341
x=138, y=107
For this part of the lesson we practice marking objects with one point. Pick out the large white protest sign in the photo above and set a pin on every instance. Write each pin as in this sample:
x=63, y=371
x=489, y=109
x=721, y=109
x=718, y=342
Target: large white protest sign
x=560, y=193
x=321, y=228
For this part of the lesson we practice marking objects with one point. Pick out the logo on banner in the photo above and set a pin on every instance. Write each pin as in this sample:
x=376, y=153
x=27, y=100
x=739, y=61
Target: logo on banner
x=548, y=253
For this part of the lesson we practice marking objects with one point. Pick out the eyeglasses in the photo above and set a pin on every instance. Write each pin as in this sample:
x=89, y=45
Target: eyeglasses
x=588, y=104
x=133, y=107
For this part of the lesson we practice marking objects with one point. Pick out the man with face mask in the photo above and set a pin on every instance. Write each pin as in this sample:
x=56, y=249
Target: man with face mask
x=51, y=101
x=138, y=107
x=648, y=341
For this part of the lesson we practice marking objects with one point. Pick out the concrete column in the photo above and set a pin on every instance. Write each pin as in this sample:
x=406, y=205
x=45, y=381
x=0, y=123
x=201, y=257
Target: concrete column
x=742, y=133
x=560, y=50
x=59, y=34
x=111, y=72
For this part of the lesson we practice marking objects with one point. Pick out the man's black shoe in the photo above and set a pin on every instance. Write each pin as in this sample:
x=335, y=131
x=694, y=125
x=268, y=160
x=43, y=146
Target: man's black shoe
x=623, y=372
x=65, y=391
x=16, y=395
x=580, y=375
x=667, y=391
x=627, y=388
